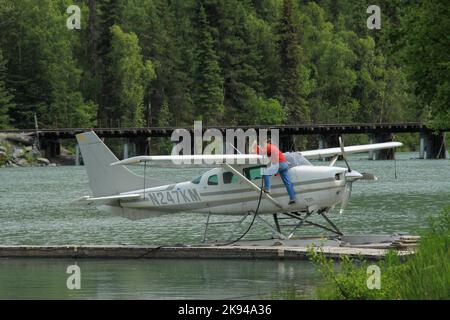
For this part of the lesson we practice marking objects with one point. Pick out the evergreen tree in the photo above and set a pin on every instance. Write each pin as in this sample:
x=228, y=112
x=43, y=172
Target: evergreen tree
x=264, y=44
x=109, y=15
x=165, y=33
x=428, y=58
x=130, y=77
x=42, y=69
x=293, y=74
x=238, y=62
x=208, y=80
x=5, y=96
x=87, y=51
x=238, y=55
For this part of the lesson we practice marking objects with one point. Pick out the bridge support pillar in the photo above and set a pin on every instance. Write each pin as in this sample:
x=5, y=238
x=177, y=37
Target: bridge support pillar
x=323, y=144
x=372, y=155
x=142, y=146
x=50, y=148
x=328, y=141
x=422, y=145
x=77, y=155
x=125, y=150
x=287, y=143
x=386, y=154
x=432, y=146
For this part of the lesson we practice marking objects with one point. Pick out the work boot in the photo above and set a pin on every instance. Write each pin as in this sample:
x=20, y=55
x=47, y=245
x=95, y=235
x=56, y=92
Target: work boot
x=291, y=202
x=266, y=191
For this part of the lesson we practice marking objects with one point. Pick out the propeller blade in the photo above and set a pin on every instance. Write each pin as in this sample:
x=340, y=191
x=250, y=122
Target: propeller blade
x=369, y=176
x=341, y=145
x=348, y=192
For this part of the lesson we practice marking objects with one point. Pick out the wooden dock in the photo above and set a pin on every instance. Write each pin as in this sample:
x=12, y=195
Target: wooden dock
x=262, y=249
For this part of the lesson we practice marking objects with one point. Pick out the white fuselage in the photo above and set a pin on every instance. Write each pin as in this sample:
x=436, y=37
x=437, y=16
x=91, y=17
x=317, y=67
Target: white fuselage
x=215, y=192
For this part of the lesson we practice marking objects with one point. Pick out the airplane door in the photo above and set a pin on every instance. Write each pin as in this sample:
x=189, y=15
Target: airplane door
x=211, y=187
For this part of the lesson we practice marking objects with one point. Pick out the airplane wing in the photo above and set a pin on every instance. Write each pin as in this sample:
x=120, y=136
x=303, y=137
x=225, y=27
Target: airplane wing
x=330, y=152
x=255, y=158
x=99, y=200
x=198, y=159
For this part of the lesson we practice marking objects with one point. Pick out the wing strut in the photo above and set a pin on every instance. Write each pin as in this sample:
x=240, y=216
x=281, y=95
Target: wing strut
x=253, y=186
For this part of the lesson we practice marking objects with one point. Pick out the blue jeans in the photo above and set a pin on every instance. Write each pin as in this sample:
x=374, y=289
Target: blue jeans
x=284, y=174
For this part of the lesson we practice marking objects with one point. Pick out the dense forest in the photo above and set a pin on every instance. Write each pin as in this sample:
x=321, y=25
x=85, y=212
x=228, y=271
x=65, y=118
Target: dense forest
x=170, y=62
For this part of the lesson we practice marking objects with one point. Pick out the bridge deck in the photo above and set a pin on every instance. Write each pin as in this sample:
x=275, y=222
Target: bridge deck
x=325, y=129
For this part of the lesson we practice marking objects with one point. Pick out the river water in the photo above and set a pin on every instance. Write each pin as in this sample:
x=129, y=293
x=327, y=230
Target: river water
x=36, y=207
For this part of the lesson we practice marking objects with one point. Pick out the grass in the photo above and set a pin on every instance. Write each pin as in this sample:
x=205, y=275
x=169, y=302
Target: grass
x=425, y=275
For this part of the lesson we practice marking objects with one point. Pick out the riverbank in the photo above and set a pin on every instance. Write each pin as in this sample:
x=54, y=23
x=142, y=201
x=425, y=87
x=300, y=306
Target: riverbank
x=19, y=150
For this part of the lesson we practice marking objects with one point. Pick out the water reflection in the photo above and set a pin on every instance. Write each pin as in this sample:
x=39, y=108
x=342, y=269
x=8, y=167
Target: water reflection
x=155, y=279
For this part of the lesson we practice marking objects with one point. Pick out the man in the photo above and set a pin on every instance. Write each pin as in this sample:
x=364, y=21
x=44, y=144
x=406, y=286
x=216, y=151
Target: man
x=279, y=165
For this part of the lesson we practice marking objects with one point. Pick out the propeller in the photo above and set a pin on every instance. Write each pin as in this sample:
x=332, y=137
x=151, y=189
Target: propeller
x=350, y=177
x=365, y=175
x=341, y=144
x=348, y=185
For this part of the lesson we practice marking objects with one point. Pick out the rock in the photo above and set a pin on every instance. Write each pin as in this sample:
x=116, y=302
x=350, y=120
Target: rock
x=22, y=162
x=20, y=138
x=43, y=161
x=3, y=158
x=18, y=152
x=52, y=165
x=35, y=153
x=28, y=148
x=2, y=149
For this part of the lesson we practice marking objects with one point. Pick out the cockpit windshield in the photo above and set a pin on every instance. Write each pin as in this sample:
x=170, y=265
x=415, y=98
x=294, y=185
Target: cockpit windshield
x=197, y=180
x=296, y=159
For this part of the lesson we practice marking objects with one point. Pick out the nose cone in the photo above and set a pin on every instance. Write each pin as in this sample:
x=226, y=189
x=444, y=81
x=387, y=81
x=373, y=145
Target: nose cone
x=353, y=175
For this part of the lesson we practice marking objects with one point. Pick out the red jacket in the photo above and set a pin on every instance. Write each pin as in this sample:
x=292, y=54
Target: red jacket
x=272, y=151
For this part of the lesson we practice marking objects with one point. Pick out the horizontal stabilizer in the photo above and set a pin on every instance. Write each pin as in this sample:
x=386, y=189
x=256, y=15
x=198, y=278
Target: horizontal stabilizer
x=110, y=198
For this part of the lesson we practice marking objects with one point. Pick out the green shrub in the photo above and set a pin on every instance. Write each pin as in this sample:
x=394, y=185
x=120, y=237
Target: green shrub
x=424, y=275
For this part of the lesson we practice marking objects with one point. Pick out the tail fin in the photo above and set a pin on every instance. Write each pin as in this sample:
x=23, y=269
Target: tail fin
x=105, y=180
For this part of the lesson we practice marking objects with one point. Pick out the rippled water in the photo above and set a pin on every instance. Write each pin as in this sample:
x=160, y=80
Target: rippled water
x=36, y=208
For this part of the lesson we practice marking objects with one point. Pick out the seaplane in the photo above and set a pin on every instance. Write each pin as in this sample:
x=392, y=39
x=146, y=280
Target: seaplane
x=233, y=187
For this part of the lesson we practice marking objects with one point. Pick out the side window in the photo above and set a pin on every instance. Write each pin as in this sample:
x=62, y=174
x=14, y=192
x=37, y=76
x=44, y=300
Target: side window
x=229, y=177
x=213, y=180
x=253, y=173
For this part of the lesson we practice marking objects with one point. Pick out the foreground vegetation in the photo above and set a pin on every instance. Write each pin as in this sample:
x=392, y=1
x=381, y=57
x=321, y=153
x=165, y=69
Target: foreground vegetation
x=425, y=275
